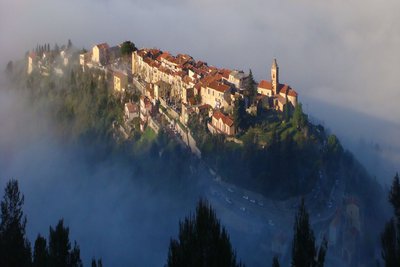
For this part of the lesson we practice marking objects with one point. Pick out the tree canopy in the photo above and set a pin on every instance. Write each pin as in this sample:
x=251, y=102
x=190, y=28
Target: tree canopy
x=201, y=242
x=390, y=237
x=300, y=119
x=304, y=251
x=15, y=250
x=60, y=252
x=127, y=48
x=250, y=87
x=239, y=114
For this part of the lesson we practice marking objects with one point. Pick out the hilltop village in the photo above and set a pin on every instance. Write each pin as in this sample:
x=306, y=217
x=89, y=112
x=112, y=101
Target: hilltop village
x=180, y=85
x=160, y=91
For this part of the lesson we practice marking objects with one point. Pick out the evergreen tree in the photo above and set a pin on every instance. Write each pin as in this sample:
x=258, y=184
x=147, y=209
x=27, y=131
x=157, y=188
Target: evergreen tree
x=275, y=262
x=390, y=237
x=394, y=197
x=201, y=242
x=239, y=113
x=74, y=258
x=97, y=264
x=56, y=48
x=60, y=254
x=69, y=45
x=287, y=111
x=15, y=250
x=9, y=67
x=127, y=48
x=40, y=253
x=250, y=87
x=300, y=119
x=304, y=251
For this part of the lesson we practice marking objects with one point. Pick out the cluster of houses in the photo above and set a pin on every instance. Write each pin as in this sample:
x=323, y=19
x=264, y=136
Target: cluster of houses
x=191, y=84
x=179, y=83
x=45, y=61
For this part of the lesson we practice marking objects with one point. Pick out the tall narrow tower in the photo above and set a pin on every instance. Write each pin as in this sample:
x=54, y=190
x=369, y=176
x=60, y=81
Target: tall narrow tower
x=275, y=76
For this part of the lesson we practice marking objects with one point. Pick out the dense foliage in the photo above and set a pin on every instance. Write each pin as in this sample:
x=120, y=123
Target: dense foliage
x=390, y=237
x=202, y=242
x=15, y=249
x=304, y=250
x=127, y=48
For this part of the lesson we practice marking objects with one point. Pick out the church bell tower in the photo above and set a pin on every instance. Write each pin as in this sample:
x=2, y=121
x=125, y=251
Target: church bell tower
x=275, y=77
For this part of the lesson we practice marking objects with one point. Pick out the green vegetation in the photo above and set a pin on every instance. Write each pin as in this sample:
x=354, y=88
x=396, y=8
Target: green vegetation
x=239, y=114
x=202, y=242
x=390, y=238
x=15, y=249
x=81, y=103
x=127, y=48
x=304, y=251
x=276, y=159
x=250, y=87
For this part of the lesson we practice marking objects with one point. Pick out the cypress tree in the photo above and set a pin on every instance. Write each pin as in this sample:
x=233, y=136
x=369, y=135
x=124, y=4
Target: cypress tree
x=40, y=252
x=390, y=237
x=275, y=262
x=201, y=242
x=15, y=249
x=304, y=251
x=60, y=253
x=239, y=113
x=250, y=87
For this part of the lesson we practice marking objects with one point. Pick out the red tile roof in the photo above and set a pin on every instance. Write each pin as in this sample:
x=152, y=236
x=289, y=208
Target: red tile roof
x=287, y=90
x=225, y=118
x=163, y=55
x=103, y=46
x=265, y=85
x=220, y=87
x=225, y=73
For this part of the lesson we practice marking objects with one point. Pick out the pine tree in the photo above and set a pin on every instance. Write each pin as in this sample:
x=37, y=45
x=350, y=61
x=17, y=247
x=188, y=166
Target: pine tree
x=304, y=251
x=300, y=120
x=74, y=257
x=9, y=67
x=60, y=253
x=201, y=242
x=40, y=253
x=239, y=113
x=15, y=250
x=394, y=197
x=56, y=48
x=127, y=48
x=275, y=262
x=390, y=238
x=250, y=87
x=69, y=45
x=97, y=264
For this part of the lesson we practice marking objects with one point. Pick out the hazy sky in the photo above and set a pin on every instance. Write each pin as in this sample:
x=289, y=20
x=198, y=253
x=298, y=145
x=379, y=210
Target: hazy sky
x=346, y=52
